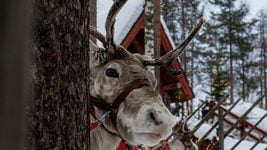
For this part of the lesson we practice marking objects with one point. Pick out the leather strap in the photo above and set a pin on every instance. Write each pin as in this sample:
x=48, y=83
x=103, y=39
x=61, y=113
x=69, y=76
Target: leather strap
x=134, y=85
x=101, y=104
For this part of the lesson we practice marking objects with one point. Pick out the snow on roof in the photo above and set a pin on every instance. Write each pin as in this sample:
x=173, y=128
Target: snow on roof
x=165, y=28
x=125, y=19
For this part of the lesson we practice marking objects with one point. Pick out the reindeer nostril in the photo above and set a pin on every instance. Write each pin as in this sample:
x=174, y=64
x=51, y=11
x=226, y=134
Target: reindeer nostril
x=153, y=116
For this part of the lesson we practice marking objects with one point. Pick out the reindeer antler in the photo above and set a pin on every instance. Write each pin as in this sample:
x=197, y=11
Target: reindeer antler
x=110, y=44
x=167, y=58
x=93, y=31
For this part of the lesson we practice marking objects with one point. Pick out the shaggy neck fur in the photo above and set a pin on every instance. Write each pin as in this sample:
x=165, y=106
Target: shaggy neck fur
x=100, y=138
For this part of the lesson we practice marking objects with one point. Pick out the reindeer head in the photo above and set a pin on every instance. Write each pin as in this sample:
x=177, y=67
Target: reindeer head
x=141, y=118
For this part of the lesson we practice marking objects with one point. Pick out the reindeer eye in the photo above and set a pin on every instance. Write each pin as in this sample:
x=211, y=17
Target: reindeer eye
x=110, y=72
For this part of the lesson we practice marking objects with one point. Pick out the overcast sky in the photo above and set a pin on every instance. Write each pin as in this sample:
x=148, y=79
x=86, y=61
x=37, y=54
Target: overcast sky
x=256, y=5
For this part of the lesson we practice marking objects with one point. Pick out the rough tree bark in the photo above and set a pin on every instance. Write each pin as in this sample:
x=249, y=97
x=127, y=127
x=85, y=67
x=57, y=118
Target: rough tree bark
x=231, y=74
x=263, y=66
x=60, y=46
x=14, y=60
x=157, y=42
x=152, y=34
x=92, y=13
x=149, y=32
x=183, y=35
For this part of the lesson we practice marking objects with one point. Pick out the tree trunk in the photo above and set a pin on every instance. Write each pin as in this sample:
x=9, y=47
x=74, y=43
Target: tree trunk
x=152, y=34
x=231, y=56
x=262, y=31
x=243, y=80
x=58, y=112
x=231, y=74
x=14, y=71
x=264, y=63
x=183, y=36
x=264, y=71
x=261, y=75
x=149, y=32
x=92, y=12
x=157, y=43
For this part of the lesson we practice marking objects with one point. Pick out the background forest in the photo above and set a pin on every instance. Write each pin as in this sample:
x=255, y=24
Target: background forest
x=229, y=55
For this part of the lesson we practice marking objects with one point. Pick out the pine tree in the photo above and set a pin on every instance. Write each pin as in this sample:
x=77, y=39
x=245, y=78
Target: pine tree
x=169, y=13
x=244, y=46
x=214, y=74
x=180, y=17
x=230, y=22
x=218, y=77
x=262, y=31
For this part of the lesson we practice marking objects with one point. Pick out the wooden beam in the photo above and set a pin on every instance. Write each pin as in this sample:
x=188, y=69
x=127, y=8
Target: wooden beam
x=133, y=32
x=176, y=65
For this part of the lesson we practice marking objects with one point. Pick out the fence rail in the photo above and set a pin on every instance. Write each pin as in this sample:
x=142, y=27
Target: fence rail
x=237, y=123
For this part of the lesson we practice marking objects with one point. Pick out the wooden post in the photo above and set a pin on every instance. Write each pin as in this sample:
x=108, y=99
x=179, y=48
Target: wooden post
x=242, y=127
x=221, y=128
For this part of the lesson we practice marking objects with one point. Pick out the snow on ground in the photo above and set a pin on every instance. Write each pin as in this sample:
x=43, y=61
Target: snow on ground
x=202, y=130
x=253, y=116
x=229, y=142
x=244, y=145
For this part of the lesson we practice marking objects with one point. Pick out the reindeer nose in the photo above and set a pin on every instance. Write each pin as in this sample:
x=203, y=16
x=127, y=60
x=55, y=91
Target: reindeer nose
x=154, y=117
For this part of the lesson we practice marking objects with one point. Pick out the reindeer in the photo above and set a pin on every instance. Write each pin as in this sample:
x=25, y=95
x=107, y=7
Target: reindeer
x=124, y=102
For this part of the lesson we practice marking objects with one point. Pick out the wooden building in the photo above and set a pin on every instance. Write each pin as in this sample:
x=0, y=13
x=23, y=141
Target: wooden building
x=129, y=32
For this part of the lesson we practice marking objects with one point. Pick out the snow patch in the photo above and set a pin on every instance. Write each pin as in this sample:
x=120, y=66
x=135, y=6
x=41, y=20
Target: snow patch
x=230, y=142
x=253, y=116
x=202, y=130
x=125, y=19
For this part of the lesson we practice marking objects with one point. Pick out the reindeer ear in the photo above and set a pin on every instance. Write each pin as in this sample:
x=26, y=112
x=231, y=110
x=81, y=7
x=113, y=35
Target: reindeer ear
x=98, y=55
x=152, y=79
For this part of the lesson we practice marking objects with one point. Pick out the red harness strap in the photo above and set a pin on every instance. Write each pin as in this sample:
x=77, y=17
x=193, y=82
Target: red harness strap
x=123, y=146
x=165, y=146
x=95, y=124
